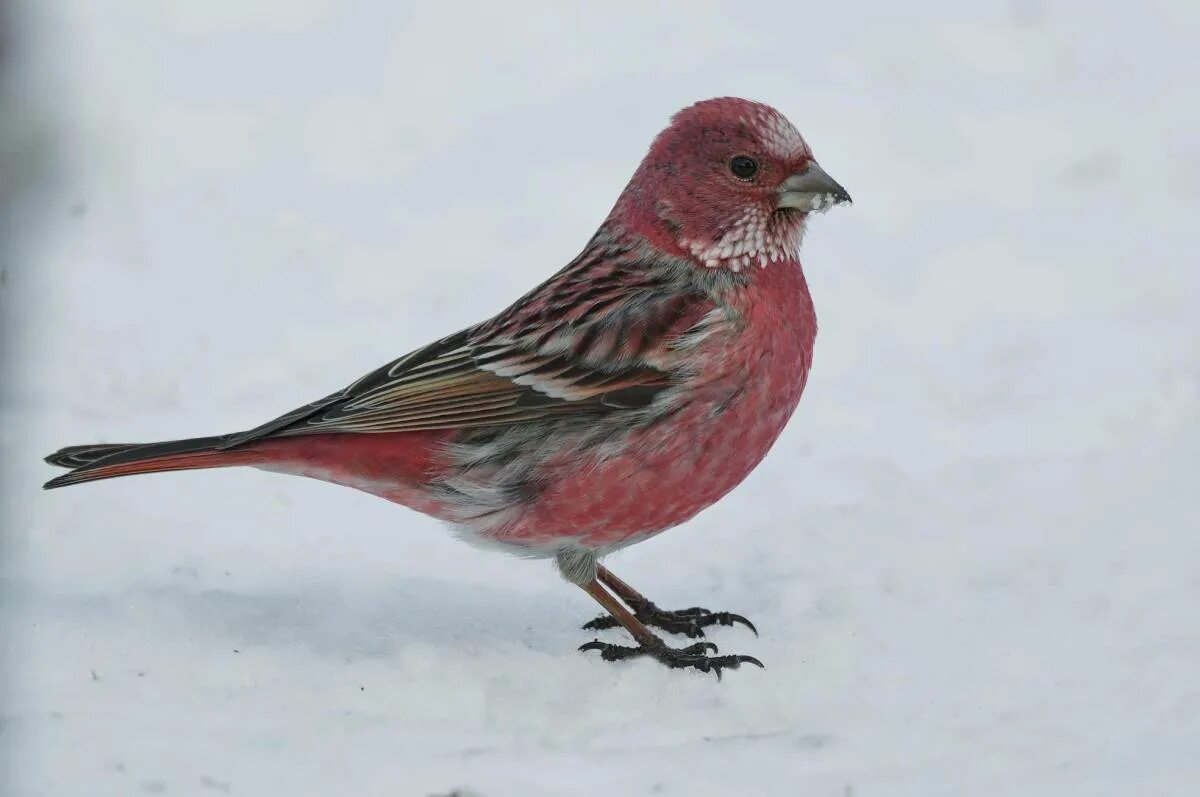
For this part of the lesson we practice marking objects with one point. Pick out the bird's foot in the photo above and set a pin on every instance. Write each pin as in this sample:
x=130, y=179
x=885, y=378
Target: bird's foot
x=689, y=622
x=694, y=656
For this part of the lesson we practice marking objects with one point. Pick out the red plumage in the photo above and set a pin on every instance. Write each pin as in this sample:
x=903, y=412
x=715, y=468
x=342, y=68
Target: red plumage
x=619, y=398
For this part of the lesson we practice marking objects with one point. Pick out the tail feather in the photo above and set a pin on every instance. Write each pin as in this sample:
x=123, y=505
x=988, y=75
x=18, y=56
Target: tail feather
x=78, y=456
x=108, y=460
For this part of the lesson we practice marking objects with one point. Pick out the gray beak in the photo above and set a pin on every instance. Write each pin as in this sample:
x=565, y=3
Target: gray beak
x=810, y=191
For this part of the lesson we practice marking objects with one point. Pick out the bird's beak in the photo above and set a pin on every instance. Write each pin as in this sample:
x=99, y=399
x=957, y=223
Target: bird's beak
x=812, y=190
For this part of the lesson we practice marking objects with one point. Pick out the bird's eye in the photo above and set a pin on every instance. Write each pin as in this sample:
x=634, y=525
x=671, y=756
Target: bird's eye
x=743, y=167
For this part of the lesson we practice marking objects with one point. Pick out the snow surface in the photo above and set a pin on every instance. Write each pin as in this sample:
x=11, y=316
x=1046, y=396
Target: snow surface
x=974, y=556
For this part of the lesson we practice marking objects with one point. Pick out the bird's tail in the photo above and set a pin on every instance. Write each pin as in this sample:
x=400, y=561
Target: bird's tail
x=107, y=460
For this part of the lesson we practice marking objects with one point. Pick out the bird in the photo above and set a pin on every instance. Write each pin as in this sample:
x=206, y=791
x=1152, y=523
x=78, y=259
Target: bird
x=629, y=391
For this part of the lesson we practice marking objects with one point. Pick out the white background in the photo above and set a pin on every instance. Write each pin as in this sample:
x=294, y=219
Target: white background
x=974, y=555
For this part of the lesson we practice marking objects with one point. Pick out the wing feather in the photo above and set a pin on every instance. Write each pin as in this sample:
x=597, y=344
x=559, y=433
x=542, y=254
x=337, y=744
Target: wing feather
x=594, y=339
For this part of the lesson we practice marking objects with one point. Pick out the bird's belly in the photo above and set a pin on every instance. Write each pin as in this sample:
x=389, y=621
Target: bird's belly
x=660, y=475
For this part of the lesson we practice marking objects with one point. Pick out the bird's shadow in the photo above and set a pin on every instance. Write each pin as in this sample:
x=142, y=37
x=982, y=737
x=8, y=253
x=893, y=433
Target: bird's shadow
x=367, y=621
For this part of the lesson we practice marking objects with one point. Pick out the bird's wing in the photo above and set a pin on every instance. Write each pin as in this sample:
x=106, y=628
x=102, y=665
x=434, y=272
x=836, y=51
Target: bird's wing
x=594, y=339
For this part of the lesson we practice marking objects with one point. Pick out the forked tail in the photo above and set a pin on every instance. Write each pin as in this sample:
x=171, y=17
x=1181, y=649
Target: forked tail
x=108, y=460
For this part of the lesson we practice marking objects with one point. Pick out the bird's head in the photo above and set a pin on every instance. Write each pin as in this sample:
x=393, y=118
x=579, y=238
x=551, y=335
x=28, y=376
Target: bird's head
x=730, y=182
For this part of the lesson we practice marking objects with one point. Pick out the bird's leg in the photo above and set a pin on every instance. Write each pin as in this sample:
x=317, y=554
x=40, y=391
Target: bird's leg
x=689, y=622
x=695, y=656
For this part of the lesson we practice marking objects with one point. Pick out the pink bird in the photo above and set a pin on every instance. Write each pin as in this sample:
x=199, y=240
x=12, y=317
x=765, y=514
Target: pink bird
x=632, y=389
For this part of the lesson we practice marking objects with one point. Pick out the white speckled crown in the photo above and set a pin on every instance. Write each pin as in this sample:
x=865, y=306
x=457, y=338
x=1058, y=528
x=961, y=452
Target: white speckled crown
x=779, y=135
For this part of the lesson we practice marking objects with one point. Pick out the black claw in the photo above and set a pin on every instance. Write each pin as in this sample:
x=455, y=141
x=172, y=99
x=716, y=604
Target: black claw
x=737, y=618
x=610, y=652
x=689, y=622
x=694, y=656
x=600, y=623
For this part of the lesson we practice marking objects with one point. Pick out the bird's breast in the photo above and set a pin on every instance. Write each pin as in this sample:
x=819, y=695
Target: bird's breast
x=753, y=385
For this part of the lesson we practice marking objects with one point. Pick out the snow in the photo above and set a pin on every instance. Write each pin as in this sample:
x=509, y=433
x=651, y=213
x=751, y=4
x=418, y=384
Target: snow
x=974, y=557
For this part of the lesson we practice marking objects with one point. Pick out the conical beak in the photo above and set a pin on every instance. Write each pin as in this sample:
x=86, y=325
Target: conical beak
x=810, y=191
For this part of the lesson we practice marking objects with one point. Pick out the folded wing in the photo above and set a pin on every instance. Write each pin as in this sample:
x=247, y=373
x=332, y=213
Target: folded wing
x=593, y=339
